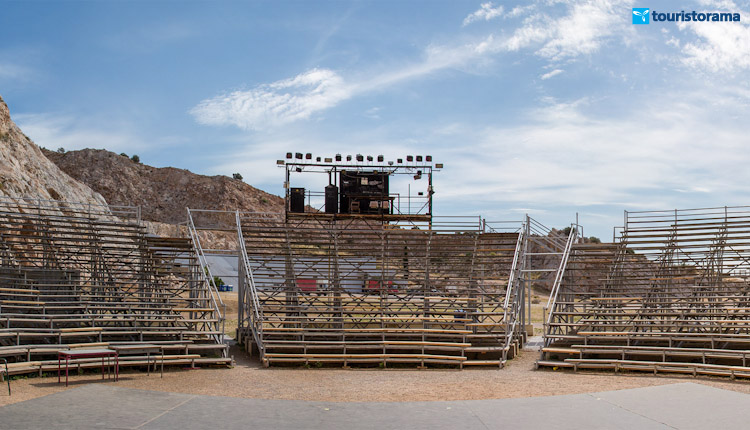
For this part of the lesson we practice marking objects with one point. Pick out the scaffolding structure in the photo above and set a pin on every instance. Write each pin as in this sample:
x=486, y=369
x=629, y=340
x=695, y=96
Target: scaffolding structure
x=360, y=291
x=672, y=295
x=369, y=276
x=78, y=275
x=360, y=187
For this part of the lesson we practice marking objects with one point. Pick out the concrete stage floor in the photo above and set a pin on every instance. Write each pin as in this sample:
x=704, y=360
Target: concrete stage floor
x=99, y=406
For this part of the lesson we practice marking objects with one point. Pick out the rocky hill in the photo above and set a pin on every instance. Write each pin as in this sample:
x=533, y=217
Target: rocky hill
x=26, y=172
x=162, y=193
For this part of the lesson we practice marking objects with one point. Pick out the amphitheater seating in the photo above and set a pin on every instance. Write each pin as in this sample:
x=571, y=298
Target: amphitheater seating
x=73, y=276
x=673, y=297
x=363, y=293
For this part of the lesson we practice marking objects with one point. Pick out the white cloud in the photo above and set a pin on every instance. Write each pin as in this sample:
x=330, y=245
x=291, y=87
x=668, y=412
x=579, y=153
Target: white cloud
x=667, y=152
x=275, y=104
x=591, y=153
x=271, y=105
x=720, y=46
x=253, y=160
x=657, y=156
x=559, y=33
x=486, y=11
x=563, y=154
x=373, y=113
x=282, y=102
x=55, y=131
x=582, y=30
x=551, y=74
x=520, y=10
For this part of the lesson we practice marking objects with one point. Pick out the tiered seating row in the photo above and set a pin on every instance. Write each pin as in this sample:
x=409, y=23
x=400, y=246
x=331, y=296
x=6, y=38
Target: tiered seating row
x=675, y=298
x=81, y=276
x=361, y=292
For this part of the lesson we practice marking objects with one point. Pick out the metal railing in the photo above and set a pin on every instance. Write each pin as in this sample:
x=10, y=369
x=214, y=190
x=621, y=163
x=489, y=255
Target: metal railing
x=514, y=268
x=92, y=210
x=552, y=301
x=6, y=254
x=514, y=286
x=7, y=373
x=208, y=280
x=249, y=285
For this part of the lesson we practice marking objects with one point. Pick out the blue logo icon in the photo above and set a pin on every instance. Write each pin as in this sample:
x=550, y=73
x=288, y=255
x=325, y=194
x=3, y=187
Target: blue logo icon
x=640, y=15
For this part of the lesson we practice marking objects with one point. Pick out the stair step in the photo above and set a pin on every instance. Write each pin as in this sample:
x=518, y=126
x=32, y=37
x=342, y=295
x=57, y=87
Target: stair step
x=482, y=363
x=553, y=363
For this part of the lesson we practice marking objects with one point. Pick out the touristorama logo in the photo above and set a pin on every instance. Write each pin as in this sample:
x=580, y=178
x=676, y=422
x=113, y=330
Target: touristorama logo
x=640, y=15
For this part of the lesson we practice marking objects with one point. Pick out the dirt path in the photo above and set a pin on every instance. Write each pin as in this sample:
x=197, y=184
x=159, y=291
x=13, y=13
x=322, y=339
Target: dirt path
x=248, y=379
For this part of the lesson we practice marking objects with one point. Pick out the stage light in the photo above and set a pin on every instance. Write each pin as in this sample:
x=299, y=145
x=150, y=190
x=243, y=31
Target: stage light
x=428, y=158
x=380, y=158
x=298, y=155
x=419, y=158
x=338, y=157
x=288, y=155
x=280, y=162
x=410, y=158
x=308, y=156
x=360, y=157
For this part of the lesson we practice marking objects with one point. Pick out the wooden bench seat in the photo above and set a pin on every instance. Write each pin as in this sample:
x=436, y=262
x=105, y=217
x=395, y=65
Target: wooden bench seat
x=23, y=367
x=358, y=330
x=484, y=349
x=19, y=290
x=80, y=329
x=22, y=302
x=560, y=350
x=678, y=367
x=193, y=309
x=316, y=357
x=704, y=353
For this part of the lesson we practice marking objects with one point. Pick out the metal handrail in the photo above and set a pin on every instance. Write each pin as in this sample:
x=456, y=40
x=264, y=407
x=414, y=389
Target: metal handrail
x=7, y=374
x=207, y=277
x=257, y=329
x=542, y=230
x=512, y=280
x=248, y=271
x=46, y=204
x=513, y=268
x=551, y=302
x=8, y=252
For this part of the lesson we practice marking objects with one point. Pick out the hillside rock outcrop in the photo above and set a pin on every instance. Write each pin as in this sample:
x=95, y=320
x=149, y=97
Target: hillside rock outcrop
x=26, y=172
x=163, y=193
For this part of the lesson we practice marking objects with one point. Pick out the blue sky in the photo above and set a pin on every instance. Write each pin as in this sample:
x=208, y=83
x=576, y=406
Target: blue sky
x=549, y=107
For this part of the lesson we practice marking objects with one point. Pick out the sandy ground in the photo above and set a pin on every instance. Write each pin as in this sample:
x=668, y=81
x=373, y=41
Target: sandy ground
x=231, y=302
x=248, y=379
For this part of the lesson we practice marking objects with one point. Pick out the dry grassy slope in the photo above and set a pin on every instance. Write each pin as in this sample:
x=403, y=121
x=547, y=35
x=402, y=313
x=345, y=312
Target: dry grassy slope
x=26, y=172
x=163, y=193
